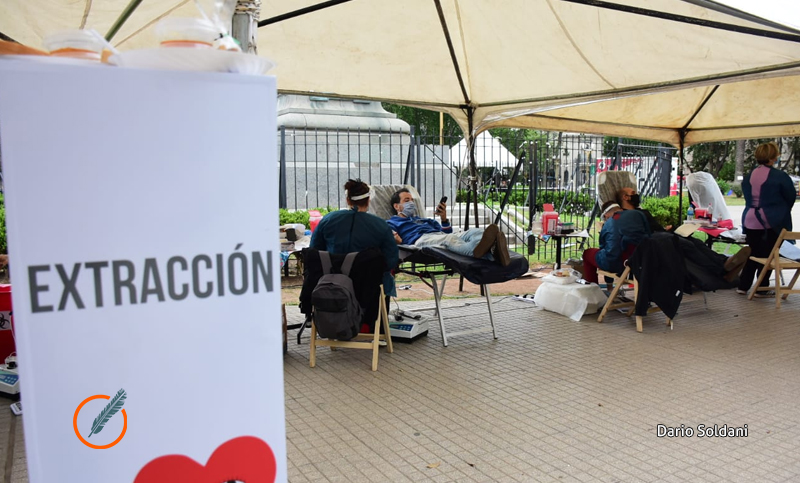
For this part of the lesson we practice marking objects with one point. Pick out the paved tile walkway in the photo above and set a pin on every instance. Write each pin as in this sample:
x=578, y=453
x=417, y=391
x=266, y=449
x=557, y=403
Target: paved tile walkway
x=550, y=400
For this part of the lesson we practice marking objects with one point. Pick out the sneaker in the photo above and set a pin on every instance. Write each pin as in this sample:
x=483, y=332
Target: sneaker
x=737, y=260
x=764, y=295
x=501, y=250
x=488, y=240
x=741, y=292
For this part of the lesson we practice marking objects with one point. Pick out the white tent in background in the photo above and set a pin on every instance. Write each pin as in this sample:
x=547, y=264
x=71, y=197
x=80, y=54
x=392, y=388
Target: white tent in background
x=489, y=153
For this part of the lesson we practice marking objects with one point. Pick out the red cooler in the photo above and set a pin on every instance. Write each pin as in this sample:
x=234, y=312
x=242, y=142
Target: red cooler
x=6, y=334
x=313, y=219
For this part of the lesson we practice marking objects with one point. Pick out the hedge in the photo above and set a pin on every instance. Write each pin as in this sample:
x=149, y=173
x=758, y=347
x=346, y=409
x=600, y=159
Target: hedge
x=285, y=216
x=665, y=210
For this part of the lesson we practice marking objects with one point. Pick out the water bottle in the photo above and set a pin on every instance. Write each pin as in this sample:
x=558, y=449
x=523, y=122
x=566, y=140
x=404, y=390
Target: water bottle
x=690, y=213
x=536, y=227
x=709, y=211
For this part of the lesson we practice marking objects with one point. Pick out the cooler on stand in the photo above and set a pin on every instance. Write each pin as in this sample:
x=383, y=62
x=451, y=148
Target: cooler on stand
x=9, y=378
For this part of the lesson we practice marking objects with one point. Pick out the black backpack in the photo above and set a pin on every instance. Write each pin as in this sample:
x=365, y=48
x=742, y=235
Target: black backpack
x=337, y=313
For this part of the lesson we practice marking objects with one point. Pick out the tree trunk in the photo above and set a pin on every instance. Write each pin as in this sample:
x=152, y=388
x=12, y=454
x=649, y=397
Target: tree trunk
x=739, y=174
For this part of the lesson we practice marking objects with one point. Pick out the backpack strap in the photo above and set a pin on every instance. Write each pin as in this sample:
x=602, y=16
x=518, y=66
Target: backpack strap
x=347, y=264
x=325, y=260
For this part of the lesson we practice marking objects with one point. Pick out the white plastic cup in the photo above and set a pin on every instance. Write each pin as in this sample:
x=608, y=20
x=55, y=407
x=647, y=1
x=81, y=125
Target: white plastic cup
x=186, y=32
x=78, y=44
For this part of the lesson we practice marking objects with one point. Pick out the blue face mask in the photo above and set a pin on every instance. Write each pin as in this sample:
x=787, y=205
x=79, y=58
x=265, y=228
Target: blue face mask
x=409, y=209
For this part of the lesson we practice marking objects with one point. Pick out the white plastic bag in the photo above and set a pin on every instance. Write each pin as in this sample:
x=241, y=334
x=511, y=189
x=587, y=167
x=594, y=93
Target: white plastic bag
x=573, y=301
x=562, y=276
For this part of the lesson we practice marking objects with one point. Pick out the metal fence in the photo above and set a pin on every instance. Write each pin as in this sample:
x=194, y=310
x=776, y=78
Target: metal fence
x=559, y=168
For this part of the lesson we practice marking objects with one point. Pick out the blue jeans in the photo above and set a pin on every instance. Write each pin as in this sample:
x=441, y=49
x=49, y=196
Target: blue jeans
x=462, y=243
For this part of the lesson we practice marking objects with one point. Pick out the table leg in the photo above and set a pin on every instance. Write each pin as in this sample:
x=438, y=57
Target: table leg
x=558, y=252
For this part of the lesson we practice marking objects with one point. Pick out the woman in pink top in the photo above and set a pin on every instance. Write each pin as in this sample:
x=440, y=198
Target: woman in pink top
x=769, y=195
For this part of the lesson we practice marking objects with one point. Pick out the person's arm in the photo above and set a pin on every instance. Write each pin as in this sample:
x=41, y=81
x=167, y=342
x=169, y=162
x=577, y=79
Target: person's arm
x=609, y=246
x=435, y=225
x=441, y=210
x=747, y=191
x=389, y=248
x=787, y=190
x=398, y=226
x=318, y=238
x=652, y=222
x=613, y=246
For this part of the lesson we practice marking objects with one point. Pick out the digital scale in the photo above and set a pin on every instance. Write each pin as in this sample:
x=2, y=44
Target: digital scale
x=409, y=328
x=9, y=380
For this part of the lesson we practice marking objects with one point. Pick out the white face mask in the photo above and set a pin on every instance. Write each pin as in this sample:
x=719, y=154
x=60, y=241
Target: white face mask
x=409, y=209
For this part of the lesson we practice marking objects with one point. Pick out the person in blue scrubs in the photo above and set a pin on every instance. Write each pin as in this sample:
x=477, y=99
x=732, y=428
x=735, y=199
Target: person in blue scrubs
x=355, y=230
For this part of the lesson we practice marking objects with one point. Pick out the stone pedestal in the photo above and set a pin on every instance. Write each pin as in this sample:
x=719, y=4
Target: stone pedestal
x=327, y=141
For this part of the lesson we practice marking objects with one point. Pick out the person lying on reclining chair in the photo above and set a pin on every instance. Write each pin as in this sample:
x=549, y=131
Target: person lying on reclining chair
x=621, y=233
x=713, y=263
x=409, y=229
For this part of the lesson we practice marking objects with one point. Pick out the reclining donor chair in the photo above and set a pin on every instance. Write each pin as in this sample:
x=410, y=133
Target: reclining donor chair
x=430, y=263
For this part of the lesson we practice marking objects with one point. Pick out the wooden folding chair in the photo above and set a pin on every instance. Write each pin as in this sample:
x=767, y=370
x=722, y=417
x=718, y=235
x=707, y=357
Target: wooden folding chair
x=369, y=341
x=778, y=263
x=615, y=301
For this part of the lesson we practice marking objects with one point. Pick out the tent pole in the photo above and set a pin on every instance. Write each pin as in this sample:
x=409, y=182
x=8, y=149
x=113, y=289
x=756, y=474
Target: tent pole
x=301, y=11
x=473, y=166
x=508, y=191
x=680, y=179
x=789, y=33
x=123, y=17
x=244, y=26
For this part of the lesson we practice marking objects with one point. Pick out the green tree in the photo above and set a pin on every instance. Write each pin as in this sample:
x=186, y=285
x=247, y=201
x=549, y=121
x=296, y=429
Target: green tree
x=627, y=146
x=426, y=123
x=711, y=157
x=728, y=171
x=523, y=143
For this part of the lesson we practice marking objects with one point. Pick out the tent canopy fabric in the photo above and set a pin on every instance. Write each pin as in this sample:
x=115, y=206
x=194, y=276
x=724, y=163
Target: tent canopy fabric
x=637, y=68
x=489, y=153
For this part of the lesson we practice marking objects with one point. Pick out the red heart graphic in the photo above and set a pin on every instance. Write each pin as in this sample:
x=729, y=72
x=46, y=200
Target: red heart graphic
x=247, y=459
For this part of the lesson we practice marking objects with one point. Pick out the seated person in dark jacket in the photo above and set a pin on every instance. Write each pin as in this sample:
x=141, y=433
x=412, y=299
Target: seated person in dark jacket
x=693, y=249
x=621, y=233
x=628, y=199
x=355, y=230
x=410, y=229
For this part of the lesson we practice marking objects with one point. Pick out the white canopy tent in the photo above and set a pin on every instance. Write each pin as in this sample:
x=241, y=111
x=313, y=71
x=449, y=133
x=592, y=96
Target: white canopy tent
x=653, y=69
x=640, y=68
x=489, y=153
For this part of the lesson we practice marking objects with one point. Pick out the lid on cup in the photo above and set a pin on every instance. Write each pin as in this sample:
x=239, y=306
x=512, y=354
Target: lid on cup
x=73, y=40
x=183, y=29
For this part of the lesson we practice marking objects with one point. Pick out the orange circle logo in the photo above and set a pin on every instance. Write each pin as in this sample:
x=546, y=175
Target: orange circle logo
x=78, y=434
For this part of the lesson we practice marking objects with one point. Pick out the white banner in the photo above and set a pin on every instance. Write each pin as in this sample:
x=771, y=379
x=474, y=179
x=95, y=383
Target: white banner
x=142, y=221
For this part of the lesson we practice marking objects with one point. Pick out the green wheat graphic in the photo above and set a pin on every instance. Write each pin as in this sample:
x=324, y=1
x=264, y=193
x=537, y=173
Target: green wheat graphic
x=111, y=409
